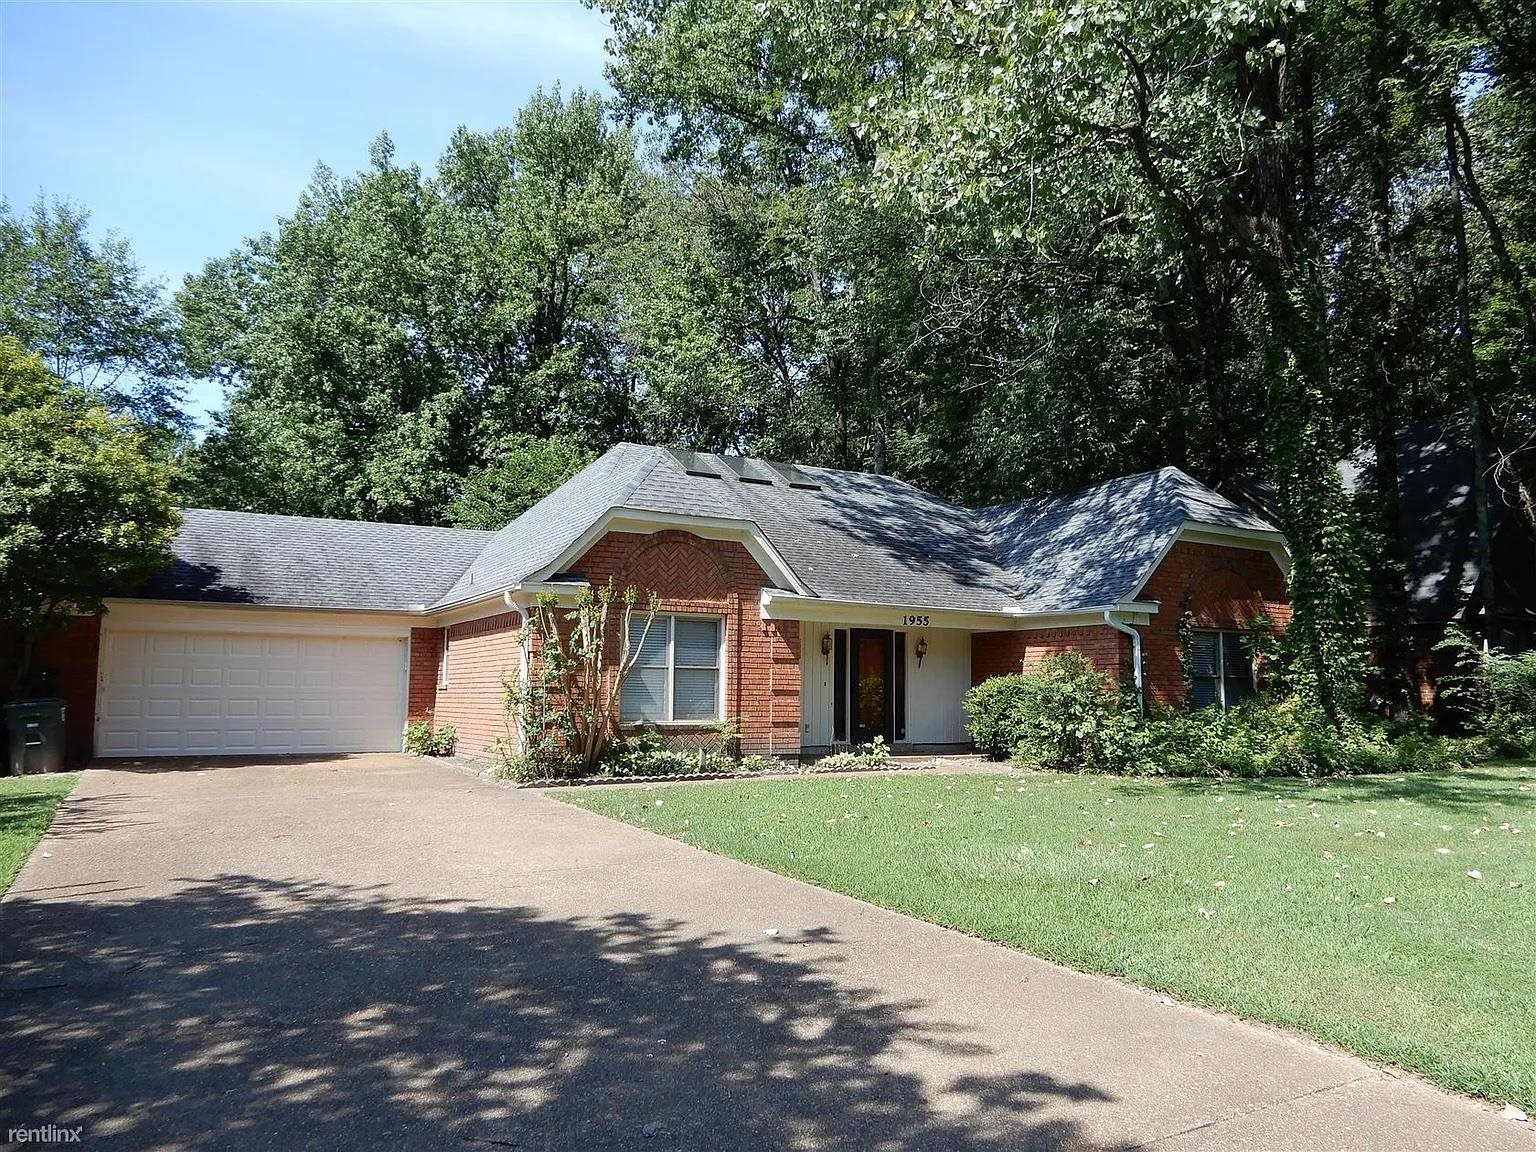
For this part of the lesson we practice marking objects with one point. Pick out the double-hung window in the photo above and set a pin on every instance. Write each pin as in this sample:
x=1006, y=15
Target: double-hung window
x=677, y=675
x=1222, y=670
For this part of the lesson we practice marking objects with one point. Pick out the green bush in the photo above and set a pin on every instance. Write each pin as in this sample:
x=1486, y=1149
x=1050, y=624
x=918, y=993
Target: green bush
x=421, y=739
x=1066, y=715
x=995, y=708
x=875, y=754
x=640, y=754
x=1494, y=692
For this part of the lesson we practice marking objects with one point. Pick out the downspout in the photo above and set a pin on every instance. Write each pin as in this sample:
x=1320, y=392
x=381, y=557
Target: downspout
x=1109, y=618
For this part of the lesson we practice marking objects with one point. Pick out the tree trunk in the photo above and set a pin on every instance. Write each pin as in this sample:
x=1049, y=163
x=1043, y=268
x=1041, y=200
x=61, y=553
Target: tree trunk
x=1275, y=217
x=1477, y=405
x=1389, y=559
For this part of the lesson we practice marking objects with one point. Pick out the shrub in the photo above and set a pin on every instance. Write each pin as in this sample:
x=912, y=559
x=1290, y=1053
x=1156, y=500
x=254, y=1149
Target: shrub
x=1494, y=691
x=1064, y=714
x=639, y=754
x=994, y=711
x=421, y=739
x=875, y=754
x=1070, y=718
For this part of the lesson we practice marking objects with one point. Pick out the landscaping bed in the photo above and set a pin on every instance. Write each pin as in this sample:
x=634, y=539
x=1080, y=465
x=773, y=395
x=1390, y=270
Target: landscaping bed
x=1392, y=915
x=27, y=805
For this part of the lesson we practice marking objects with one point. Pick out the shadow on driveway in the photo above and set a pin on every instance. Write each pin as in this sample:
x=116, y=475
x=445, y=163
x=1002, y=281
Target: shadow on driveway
x=253, y=1012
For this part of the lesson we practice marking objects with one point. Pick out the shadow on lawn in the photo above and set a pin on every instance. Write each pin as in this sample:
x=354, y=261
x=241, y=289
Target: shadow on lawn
x=253, y=1012
x=1477, y=789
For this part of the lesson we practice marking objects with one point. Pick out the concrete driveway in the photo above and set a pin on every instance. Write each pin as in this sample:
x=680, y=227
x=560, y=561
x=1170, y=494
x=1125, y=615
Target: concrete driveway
x=380, y=952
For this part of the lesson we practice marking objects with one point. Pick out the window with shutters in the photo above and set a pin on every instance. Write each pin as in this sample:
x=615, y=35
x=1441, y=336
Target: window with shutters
x=1221, y=669
x=676, y=678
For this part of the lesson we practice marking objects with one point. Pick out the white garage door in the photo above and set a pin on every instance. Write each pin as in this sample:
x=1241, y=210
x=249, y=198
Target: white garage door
x=206, y=693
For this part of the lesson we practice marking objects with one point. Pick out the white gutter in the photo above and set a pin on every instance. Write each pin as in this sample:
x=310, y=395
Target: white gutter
x=1109, y=618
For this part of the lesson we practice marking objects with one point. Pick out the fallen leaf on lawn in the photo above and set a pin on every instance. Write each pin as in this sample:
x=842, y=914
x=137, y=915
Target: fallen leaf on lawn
x=1205, y=912
x=1218, y=884
x=1475, y=874
x=1094, y=882
x=1443, y=851
x=1512, y=1113
x=1389, y=899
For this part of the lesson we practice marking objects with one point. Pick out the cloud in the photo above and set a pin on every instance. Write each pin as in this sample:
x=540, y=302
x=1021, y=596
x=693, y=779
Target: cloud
x=481, y=28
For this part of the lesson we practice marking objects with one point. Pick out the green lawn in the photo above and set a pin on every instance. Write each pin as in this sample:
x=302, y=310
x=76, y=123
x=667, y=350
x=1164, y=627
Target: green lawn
x=27, y=805
x=1395, y=916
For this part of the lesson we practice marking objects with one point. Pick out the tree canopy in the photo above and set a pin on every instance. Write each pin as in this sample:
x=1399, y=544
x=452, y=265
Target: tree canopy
x=85, y=501
x=997, y=249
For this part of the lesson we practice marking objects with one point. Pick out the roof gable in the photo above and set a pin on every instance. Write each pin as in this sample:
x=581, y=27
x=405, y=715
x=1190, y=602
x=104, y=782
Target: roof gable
x=844, y=535
x=1095, y=547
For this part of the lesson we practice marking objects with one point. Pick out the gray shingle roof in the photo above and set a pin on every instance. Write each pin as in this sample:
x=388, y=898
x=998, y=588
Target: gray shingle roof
x=1093, y=547
x=844, y=535
x=305, y=562
x=854, y=536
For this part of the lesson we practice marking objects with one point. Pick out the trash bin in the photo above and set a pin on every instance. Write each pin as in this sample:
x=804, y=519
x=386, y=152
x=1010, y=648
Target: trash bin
x=34, y=736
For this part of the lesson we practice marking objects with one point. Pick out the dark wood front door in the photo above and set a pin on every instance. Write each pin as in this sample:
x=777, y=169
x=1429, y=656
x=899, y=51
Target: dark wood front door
x=870, y=688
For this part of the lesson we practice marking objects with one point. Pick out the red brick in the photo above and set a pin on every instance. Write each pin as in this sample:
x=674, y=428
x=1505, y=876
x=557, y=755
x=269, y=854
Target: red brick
x=483, y=657
x=717, y=578
x=1219, y=587
x=70, y=658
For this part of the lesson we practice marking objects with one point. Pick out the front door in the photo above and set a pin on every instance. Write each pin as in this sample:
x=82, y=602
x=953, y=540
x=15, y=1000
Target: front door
x=870, y=688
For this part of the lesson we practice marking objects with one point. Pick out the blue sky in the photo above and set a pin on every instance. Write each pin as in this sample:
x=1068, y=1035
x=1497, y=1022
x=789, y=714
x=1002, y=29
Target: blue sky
x=188, y=126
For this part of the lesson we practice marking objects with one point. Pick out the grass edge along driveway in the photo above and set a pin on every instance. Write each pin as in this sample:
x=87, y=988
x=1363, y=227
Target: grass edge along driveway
x=1392, y=916
x=27, y=806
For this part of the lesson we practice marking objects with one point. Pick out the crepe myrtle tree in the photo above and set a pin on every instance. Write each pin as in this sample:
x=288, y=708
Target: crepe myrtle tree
x=580, y=685
x=85, y=504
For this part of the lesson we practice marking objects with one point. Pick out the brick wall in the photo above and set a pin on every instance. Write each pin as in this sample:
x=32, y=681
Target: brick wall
x=717, y=578
x=421, y=692
x=1220, y=588
x=481, y=655
x=68, y=659
x=1005, y=653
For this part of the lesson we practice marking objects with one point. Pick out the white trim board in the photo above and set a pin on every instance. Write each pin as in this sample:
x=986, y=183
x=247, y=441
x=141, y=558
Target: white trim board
x=190, y=616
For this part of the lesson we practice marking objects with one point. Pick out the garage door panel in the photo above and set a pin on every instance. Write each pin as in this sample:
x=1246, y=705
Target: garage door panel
x=192, y=693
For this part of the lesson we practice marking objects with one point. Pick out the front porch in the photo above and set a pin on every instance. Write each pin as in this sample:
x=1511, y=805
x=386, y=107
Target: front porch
x=901, y=685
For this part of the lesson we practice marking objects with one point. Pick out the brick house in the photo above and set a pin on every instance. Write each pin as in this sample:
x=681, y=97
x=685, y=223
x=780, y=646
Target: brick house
x=812, y=607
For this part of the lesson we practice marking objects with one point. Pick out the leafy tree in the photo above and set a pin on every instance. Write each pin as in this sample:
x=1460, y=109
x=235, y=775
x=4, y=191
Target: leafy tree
x=385, y=342
x=584, y=653
x=87, y=311
x=521, y=473
x=85, y=502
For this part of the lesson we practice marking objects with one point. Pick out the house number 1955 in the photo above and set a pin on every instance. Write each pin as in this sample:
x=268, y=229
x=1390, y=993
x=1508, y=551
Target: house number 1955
x=914, y=622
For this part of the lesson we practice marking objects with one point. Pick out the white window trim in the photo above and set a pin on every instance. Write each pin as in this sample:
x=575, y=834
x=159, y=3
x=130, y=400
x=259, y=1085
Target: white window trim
x=442, y=661
x=669, y=697
x=1221, y=666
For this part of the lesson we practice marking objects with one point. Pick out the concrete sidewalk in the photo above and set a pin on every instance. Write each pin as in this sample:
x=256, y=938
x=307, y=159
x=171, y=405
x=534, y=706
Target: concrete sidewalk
x=376, y=951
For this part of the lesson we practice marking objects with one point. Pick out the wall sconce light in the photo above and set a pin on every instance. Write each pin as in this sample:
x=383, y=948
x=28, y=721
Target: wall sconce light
x=921, y=649
x=826, y=645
